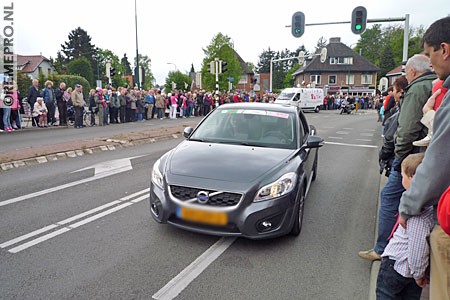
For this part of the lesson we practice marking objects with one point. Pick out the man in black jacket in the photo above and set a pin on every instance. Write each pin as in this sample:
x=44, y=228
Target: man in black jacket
x=33, y=94
x=62, y=104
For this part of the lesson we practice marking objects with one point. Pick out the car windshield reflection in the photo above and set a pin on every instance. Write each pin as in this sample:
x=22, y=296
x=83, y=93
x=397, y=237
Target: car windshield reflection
x=249, y=127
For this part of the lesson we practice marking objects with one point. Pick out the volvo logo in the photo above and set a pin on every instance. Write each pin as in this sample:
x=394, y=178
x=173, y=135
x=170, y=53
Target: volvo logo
x=202, y=197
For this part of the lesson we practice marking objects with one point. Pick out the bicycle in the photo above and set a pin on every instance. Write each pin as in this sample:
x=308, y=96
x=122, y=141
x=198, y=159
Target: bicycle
x=87, y=113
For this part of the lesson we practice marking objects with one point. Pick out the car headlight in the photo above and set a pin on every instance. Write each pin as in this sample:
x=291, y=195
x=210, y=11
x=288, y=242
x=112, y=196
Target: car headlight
x=157, y=177
x=278, y=188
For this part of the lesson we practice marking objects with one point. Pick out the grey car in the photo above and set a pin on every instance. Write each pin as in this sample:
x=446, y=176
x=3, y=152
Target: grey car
x=245, y=170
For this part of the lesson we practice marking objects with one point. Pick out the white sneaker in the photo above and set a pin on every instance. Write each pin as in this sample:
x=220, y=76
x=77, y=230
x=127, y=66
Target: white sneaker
x=423, y=142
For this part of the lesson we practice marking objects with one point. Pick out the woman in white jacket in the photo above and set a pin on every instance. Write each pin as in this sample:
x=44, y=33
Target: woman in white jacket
x=40, y=110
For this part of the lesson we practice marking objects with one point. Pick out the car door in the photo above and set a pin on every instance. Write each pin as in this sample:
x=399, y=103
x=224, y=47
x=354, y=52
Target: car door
x=307, y=155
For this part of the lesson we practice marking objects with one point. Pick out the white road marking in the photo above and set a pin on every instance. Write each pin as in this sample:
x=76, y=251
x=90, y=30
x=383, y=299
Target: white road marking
x=366, y=134
x=174, y=287
x=348, y=128
x=71, y=219
x=363, y=140
x=336, y=137
x=102, y=170
x=26, y=236
x=351, y=145
x=341, y=132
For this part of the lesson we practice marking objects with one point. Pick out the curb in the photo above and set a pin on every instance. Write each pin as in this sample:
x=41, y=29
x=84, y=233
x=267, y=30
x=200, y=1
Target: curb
x=114, y=145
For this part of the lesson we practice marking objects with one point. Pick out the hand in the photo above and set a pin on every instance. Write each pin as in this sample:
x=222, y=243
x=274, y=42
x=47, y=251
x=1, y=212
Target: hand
x=402, y=221
x=430, y=102
x=422, y=282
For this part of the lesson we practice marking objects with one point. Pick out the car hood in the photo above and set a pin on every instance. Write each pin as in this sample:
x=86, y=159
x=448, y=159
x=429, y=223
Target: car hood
x=224, y=162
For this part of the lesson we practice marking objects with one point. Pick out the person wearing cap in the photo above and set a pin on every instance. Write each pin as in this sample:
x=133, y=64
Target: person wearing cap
x=78, y=105
x=40, y=112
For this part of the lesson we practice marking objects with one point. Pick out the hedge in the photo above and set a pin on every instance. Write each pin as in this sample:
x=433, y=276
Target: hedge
x=24, y=82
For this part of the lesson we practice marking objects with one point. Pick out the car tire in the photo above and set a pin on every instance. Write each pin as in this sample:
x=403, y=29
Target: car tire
x=317, y=109
x=297, y=226
x=315, y=167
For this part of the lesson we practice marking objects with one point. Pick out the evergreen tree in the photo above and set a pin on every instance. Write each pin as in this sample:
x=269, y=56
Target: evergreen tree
x=78, y=45
x=321, y=43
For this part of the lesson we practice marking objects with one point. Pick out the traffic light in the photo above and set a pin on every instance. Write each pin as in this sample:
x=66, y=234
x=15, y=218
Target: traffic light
x=212, y=67
x=112, y=71
x=359, y=19
x=298, y=24
x=222, y=66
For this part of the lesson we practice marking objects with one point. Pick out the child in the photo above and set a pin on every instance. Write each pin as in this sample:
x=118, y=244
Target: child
x=405, y=259
x=429, y=111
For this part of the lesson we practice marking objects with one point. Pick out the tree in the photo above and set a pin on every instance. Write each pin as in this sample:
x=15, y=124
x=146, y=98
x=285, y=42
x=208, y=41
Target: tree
x=126, y=64
x=374, y=41
x=321, y=43
x=387, y=61
x=104, y=56
x=221, y=47
x=79, y=44
x=80, y=66
x=145, y=62
x=264, y=60
x=371, y=43
x=289, y=78
x=59, y=63
x=179, y=79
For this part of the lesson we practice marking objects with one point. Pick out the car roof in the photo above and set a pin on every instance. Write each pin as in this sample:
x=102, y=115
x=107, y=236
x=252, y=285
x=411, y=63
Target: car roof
x=261, y=106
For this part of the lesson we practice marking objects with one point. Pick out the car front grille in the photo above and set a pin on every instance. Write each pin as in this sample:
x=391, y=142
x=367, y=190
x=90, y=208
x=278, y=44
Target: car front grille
x=216, y=198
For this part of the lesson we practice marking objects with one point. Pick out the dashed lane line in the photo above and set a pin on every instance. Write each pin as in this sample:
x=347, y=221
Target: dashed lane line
x=351, y=145
x=174, y=287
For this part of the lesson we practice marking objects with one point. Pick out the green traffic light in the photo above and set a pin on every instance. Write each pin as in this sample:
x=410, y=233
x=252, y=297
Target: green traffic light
x=358, y=26
x=297, y=30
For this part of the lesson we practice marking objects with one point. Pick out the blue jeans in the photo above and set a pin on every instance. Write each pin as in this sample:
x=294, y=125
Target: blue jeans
x=389, y=202
x=6, y=117
x=392, y=285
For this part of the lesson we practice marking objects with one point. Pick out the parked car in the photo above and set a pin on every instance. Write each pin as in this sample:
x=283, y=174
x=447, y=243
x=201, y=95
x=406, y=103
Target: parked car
x=245, y=170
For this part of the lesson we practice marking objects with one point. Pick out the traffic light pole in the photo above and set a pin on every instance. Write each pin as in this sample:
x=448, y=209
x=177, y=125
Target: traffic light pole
x=383, y=20
x=216, y=69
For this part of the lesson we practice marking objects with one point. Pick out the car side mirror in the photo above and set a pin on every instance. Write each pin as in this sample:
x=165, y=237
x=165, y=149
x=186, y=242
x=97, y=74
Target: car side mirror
x=187, y=132
x=314, y=141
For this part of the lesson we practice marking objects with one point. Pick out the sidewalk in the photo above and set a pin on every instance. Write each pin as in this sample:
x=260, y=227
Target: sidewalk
x=376, y=264
x=44, y=153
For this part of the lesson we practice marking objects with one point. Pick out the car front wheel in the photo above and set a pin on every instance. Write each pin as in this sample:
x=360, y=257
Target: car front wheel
x=297, y=228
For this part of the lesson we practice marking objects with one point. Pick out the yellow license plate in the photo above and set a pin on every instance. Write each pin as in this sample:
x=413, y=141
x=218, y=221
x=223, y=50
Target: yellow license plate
x=202, y=216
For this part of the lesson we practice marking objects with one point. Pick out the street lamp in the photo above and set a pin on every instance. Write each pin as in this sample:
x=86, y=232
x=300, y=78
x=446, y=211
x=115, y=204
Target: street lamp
x=169, y=63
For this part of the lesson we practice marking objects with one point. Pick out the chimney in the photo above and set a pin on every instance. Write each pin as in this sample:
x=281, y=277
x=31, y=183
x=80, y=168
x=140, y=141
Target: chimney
x=335, y=40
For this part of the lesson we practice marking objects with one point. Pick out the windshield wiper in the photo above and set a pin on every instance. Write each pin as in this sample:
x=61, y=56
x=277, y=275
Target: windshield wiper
x=201, y=140
x=243, y=144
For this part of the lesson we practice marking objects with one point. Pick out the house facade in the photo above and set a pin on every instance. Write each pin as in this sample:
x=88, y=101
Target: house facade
x=344, y=71
x=32, y=65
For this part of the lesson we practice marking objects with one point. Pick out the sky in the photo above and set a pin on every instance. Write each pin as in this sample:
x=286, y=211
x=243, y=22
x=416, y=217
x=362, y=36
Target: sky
x=174, y=32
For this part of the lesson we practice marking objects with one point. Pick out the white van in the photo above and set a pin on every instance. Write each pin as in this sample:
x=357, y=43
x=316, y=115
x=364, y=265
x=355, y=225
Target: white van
x=305, y=98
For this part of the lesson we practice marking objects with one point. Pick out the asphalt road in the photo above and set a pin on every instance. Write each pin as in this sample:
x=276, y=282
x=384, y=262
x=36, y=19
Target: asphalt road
x=96, y=238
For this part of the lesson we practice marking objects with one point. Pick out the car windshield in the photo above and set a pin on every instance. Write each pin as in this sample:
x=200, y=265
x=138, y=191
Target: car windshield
x=250, y=127
x=285, y=96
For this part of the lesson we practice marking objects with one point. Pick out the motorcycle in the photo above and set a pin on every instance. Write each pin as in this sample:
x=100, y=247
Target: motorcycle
x=347, y=108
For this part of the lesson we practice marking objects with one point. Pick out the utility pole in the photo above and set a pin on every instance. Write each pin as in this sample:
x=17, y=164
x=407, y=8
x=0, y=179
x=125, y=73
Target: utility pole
x=137, y=52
